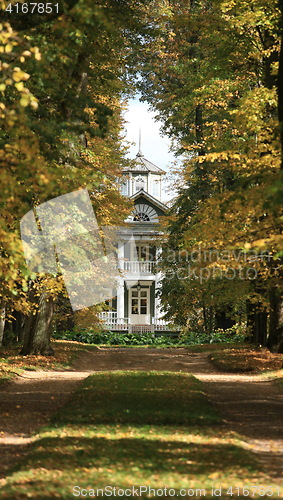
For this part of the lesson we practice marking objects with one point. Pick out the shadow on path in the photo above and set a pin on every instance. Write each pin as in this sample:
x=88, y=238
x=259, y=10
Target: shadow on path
x=250, y=406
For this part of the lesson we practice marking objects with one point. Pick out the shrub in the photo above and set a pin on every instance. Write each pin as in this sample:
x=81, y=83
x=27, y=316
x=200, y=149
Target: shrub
x=237, y=333
x=116, y=338
x=185, y=338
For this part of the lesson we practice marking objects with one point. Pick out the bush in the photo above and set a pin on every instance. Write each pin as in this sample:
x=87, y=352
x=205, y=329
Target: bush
x=85, y=336
x=117, y=338
x=185, y=338
x=237, y=333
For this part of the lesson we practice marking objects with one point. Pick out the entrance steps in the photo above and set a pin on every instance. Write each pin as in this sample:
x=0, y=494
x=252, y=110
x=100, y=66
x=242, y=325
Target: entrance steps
x=141, y=328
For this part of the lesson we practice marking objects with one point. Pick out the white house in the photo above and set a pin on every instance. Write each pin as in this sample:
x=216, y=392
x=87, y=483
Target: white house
x=135, y=304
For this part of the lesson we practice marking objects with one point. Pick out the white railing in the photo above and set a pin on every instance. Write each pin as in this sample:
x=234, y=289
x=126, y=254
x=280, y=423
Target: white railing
x=108, y=316
x=160, y=324
x=138, y=267
x=110, y=320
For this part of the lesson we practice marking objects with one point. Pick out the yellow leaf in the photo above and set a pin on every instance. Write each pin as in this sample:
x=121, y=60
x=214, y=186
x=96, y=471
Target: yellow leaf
x=19, y=86
x=19, y=75
x=36, y=52
x=8, y=48
x=34, y=103
x=2, y=87
x=24, y=101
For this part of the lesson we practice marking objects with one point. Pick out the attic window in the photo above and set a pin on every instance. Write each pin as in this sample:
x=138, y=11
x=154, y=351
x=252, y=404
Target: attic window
x=140, y=183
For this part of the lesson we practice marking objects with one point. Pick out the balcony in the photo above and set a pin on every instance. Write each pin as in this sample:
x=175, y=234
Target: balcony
x=138, y=267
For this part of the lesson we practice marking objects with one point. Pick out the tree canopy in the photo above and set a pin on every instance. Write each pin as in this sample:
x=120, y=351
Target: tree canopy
x=211, y=76
x=211, y=70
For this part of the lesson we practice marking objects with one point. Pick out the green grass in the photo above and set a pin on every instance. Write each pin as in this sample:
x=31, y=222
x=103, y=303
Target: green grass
x=5, y=378
x=125, y=429
x=141, y=398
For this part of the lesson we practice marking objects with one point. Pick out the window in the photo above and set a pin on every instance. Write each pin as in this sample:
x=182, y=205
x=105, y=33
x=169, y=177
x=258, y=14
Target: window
x=142, y=252
x=139, y=183
x=155, y=189
x=139, y=302
x=144, y=213
x=124, y=188
x=142, y=217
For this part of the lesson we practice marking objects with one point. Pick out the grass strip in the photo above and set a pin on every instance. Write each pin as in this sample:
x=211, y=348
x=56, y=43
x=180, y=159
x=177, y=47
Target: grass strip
x=131, y=429
x=140, y=397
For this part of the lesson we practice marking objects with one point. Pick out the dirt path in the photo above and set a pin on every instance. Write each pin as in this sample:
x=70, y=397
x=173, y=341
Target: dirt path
x=250, y=406
x=27, y=403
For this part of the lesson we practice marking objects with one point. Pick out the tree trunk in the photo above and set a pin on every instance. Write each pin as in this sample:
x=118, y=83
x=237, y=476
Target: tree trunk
x=18, y=325
x=222, y=319
x=2, y=319
x=38, y=329
x=199, y=129
x=205, y=322
x=275, y=339
x=261, y=327
x=280, y=84
x=257, y=323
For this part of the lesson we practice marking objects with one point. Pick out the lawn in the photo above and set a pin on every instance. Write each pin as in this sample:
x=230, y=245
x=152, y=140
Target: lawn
x=135, y=429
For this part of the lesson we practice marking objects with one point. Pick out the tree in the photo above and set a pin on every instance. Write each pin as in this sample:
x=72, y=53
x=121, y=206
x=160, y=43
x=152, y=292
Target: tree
x=220, y=105
x=64, y=80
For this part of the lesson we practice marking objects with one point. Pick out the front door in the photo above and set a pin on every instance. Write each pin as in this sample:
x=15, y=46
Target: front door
x=139, y=306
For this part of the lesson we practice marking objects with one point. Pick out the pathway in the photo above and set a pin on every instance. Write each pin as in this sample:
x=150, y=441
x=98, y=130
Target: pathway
x=251, y=406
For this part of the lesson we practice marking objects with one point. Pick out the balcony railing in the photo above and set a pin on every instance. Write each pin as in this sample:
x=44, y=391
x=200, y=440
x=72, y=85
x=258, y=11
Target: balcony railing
x=138, y=267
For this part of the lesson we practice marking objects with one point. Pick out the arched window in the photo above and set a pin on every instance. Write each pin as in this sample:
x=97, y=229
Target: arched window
x=141, y=216
x=144, y=213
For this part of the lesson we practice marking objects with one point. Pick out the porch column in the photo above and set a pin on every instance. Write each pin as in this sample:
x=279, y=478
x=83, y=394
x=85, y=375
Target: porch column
x=157, y=305
x=120, y=299
x=121, y=255
x=120, y=285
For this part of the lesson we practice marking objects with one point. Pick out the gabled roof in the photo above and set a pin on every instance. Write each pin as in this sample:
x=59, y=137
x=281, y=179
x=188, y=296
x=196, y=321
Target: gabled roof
x=143, y=165
x=150, y=198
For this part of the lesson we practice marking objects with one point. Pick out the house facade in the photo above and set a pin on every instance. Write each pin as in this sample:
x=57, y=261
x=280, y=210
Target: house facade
x=135, y=306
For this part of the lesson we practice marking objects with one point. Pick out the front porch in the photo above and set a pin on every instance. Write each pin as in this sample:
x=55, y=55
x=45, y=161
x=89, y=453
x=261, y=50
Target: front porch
x=112, y=322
